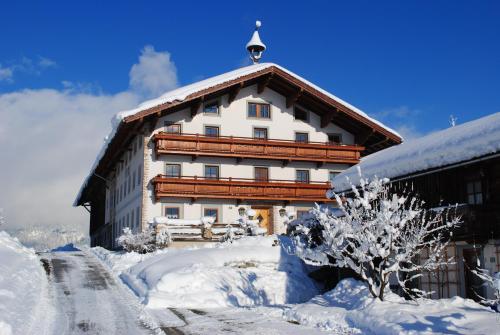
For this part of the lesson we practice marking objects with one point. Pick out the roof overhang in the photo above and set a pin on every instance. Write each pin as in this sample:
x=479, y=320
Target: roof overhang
x=368, y=133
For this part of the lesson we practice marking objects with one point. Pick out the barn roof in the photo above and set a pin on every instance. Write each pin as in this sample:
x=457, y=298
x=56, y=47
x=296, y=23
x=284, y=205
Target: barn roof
x=453, y=145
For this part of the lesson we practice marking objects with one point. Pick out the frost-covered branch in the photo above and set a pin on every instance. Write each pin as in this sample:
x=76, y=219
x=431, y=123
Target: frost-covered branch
x=380, y=236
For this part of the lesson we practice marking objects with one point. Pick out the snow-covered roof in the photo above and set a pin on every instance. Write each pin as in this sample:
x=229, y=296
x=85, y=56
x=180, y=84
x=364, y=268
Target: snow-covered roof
x=181, y=93
x=457, y=144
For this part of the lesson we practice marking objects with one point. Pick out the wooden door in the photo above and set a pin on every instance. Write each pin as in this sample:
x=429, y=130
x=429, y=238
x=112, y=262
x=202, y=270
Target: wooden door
x=264, y=217
x=473, y=284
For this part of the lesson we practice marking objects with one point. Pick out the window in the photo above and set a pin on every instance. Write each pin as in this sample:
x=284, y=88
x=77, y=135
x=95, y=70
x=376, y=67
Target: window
x=301, y=213
x=302, y=176
x=133, y=181
x=211, y=108
x=211, y=172
x=173, y=170
x=213, y=212
x=172, y=212
x=261, y=173
x=127, y=222
x=212, y=131
x=332, y=174
x=172, y=128
x=300, y=114
x=241, y=211
x=302, y=137
x=335, y=138
x=260, y=133
x=474, y=192
x=259, y=110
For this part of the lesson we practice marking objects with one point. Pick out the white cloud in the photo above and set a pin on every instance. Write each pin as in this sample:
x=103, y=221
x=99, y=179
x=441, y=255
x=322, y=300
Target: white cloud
x=5, y=74
x=49, y=139
x=27, y=66
x=154, y=74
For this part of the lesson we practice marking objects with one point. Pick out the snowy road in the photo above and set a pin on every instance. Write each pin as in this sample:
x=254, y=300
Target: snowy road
x=87, y=298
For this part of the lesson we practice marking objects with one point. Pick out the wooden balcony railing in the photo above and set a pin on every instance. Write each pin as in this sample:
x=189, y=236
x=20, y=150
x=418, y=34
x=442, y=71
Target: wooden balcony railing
x=239, y=188
x=247, y=147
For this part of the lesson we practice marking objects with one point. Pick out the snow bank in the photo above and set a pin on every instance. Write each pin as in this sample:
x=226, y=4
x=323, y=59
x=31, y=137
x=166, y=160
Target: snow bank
x=21, y=282
x=456, y=144
x=350, y=307
x=252, y=271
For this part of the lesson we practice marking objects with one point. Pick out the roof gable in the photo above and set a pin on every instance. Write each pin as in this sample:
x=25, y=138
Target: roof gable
x=371, y=133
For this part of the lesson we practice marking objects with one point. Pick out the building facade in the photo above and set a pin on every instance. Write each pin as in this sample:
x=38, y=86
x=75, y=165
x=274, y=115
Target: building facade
x=259, y=137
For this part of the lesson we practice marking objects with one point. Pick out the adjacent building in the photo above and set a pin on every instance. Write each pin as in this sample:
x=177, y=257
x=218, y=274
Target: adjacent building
x=459, y=169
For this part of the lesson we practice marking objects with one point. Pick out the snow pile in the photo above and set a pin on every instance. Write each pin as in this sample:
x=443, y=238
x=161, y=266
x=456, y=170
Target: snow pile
x=456, y=144
x=252, y=271
x=119, y=262
x=350, y=306
x=22, y=282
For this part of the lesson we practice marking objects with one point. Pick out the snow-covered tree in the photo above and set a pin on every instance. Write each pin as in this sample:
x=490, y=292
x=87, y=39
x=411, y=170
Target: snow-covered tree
x=379, y=236
x=163, y=237
x=142, y=242
x=493, y=282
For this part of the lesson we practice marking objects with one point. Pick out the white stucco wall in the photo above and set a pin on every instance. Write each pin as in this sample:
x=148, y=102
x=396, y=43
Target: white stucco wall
x=232, y=121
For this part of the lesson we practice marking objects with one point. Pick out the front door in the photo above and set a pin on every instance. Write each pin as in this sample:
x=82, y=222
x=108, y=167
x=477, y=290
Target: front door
x=473, y=284
x=264, y=217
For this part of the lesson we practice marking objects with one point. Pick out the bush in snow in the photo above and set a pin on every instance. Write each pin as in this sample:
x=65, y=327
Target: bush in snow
x=142, y=242
x=379, y=236
x=493, y=282
x=163, y=237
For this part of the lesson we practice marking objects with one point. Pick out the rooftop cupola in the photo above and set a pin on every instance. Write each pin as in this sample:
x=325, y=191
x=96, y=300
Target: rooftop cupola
x=255, y=46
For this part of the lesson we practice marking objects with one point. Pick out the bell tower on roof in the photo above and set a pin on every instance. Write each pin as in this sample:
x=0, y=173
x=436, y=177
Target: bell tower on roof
x=255, y=46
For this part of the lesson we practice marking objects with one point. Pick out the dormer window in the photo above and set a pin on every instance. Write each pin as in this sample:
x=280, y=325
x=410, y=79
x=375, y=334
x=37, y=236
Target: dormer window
x=211, y=108
x=259, y=110
x=300, y=114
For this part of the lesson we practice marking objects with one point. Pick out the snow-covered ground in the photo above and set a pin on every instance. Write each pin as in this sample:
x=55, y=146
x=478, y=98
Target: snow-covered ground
x=226, y=285
x=350, y=306
x=252, y=271
x=23, y=284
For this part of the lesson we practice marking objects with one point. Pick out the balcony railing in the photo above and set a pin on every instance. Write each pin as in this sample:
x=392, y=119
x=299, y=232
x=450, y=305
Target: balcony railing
x=247, y=147
x=239, y=188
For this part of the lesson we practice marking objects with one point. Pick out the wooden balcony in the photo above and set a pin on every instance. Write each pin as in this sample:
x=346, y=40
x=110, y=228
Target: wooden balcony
x=247, y=147
x=239, y=188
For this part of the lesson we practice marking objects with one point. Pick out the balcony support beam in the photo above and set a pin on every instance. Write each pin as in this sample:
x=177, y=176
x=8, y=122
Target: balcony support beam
x=234, y=92
x=291, y=99
x=327, y=117
x=261, y=86
x=196, y=105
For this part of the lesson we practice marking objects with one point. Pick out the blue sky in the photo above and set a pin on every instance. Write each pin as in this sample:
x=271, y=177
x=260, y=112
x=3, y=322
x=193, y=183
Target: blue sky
x=409, y=63
x=66, y=67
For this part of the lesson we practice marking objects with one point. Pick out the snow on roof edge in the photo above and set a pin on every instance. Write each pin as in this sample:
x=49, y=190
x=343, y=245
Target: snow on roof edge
x=181, y=93
x=453, y=145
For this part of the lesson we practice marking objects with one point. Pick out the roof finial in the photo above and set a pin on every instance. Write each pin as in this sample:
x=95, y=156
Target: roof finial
x=255, y=46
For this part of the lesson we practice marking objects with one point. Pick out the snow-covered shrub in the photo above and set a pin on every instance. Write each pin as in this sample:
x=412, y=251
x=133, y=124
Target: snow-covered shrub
x=142, y=242
x=379, y=236
x=493, y=282
x=163, y=237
